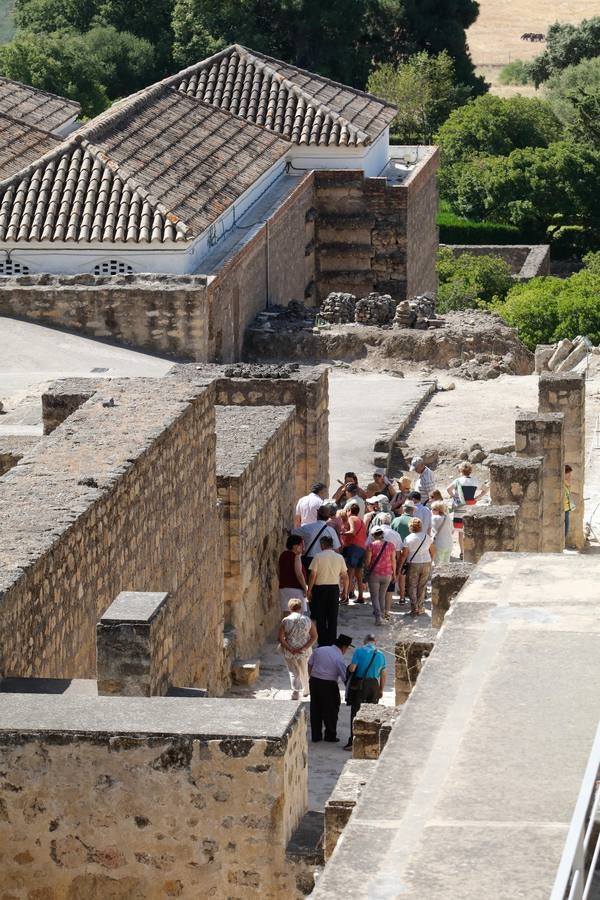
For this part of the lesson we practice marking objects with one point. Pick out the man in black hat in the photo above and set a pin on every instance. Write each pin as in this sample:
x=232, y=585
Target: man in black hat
x=326, y=667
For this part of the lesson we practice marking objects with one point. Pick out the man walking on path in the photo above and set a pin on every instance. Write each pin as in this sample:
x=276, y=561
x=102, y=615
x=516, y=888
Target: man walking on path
x=327, y=569
x=368, y=671
x=425, y=483
x=307, y=506
x=326, y=666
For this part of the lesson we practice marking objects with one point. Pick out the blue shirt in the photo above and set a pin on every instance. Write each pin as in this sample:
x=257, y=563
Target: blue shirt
x=362, y=658
x=327, y=663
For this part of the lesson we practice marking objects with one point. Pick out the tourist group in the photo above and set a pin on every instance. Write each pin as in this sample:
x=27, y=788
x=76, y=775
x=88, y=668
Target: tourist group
x=382, y=541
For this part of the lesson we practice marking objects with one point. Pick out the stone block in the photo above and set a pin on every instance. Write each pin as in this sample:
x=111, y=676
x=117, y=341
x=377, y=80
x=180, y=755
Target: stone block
x=411, y=654
x=489, y=528
x=446, y=582
x=353, y=778
x=371, y=729
x=519, y=480
x=542, y=435
x=245, y=671
x=543, y=354
x=130, y=647
x=563, y=348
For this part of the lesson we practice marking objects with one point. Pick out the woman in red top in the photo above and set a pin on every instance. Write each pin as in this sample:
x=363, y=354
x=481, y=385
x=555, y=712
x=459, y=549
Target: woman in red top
x=292, y=577
x=355, y=539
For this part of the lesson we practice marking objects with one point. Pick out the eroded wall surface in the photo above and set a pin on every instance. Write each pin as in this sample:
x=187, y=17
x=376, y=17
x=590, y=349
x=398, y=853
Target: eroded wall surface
x=116, y=499
x=145, y=799
x=255, y=479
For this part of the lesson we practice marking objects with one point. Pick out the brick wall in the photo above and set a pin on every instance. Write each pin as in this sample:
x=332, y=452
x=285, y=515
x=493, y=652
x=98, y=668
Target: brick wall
x=117, y=501
x=255, y=478
x=116, y=798
x=421, y=229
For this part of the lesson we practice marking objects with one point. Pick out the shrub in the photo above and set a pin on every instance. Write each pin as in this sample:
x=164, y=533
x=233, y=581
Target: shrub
x=546, y=309
x=458, y=230
x=469, y=281
x=591, y=262
x=516, y=72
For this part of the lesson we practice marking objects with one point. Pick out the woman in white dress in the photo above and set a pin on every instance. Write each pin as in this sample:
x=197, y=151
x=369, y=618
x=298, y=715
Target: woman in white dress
x=464, y=493
x=297, y=634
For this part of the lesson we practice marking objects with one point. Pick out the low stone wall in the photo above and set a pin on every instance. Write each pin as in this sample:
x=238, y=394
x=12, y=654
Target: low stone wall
x=306, y=389
x=446, y=582
x=526, y=261
x=142, y=799
x=371, y=728
x=255, y=480
x=13, y=447
x=411, y=655
x=118, y=501
x=353, y=779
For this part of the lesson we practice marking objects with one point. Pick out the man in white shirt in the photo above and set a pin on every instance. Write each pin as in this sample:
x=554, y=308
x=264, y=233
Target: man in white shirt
x=327, y=569
x=308, y=506
x=422, y=512
x=425, y=483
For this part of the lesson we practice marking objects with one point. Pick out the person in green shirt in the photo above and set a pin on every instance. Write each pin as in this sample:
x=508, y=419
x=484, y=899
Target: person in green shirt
x=400, y=523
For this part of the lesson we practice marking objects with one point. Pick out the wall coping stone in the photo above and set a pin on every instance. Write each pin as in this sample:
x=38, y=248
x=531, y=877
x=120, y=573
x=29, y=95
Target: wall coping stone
x=242, y=434
x=134, y=608
x=562, y=380
x=556, y=417
x=507, y=511
x=206, y=718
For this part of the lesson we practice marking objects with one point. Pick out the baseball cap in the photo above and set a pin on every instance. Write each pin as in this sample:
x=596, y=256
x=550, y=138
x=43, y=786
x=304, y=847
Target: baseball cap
x=415, y=461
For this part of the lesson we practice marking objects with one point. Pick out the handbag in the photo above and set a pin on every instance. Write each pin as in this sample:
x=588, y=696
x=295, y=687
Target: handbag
x=356, y=684
x=306, y=558
x=408, y=561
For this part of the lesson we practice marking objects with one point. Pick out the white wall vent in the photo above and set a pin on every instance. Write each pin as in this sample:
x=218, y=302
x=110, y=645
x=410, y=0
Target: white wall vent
x=112, y=267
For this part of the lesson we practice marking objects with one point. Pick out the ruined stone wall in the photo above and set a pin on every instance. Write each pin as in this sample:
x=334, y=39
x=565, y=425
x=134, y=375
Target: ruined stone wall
x=526, y=261
x=117, y=499
x=163, y=314
x=373, y=235
x=307, y=389
x=144, y=810
x=270, y=268
x=421, y=228
x=255, y=478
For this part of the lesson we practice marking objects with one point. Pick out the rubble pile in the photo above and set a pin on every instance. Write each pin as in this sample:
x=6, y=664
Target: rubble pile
x=375, y=309
x=564, y=356
x=416, y=313
x=338, y=308
x=258, y=370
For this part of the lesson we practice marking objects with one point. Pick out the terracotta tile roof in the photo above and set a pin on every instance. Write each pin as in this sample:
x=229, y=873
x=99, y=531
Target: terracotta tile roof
x=158, y=167
x=35, y=107
x=21, y=144
x=301, y=107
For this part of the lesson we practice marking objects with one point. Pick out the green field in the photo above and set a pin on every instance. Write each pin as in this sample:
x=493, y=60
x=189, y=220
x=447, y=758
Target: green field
x=7, y=26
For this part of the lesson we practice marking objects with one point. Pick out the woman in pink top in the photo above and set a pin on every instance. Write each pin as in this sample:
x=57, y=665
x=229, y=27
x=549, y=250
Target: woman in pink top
x=380, y=563
x=355, y=539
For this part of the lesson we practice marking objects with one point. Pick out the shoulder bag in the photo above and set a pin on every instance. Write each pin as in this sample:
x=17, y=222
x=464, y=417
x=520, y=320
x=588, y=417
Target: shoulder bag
x=408, y=561
x=306, y=557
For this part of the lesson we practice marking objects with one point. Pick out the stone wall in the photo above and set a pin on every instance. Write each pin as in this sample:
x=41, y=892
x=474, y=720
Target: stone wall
x=525, y=261
x=307, y=389
x=373, y=235
x=255, y=480
x=145, y=799
x=118, y=500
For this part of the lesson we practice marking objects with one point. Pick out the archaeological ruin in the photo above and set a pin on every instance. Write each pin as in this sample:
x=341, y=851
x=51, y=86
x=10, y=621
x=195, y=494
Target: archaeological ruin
x=249, y=225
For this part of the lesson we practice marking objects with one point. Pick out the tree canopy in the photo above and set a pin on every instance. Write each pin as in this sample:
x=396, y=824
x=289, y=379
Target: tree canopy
x=566, y=45
x=495, y=126
x=574, y=95
x=425, y=91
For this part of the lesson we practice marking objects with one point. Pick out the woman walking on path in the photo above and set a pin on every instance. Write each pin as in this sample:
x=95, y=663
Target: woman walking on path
x=418, y=552
x=380, y=563
x=297, y=634
x=354, y=539
x=443, y=533
x=464, y=493
x=292, y=577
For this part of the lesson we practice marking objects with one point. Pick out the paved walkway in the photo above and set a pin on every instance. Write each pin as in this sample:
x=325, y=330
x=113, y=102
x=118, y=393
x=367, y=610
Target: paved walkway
x=33, y=356
x=325, y=761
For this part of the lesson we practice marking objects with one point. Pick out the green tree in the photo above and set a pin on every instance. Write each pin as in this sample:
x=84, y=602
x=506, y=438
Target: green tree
x=566, y=45
x=495, y=126
x=515, y=72
x=469, y=280
x=532, y=188
x=546, y=309
x=425, y=91
x=150, y=20
x=59, y=62
x=438, y=25
x=55, y=15
x=574, y=95
x=591, y=262
x=125, y=59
